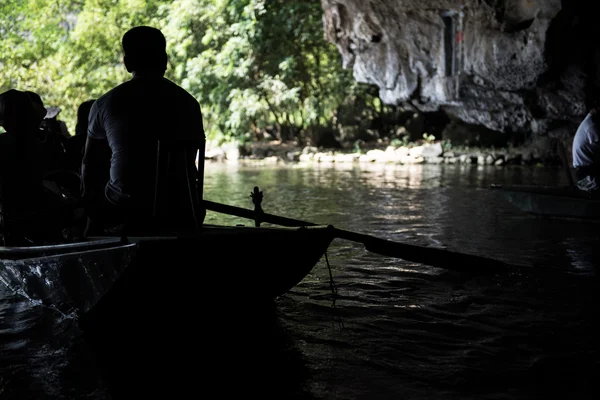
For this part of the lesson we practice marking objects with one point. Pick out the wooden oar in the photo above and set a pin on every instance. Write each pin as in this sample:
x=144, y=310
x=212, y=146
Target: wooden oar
x=424, y=255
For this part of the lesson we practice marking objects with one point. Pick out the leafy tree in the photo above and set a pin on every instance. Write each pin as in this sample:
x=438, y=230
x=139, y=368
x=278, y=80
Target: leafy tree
x=33, y=32
x=67, y=51
x=255, y=63
x=252, y=64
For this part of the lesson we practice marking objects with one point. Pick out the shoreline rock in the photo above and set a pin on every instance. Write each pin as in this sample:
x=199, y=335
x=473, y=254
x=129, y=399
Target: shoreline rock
x=424, y=153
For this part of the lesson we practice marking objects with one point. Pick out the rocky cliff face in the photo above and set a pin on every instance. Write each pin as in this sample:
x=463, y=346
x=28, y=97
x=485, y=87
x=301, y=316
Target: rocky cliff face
x=519, y=67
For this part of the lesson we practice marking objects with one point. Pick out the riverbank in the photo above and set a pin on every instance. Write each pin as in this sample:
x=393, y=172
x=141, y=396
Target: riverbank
x=426, y=152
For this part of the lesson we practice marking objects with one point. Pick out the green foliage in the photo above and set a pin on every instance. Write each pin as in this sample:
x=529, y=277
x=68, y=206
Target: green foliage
x=252, y=64
x=68, y=51
x=397, y=142
x=428, y=138
x=446, y=144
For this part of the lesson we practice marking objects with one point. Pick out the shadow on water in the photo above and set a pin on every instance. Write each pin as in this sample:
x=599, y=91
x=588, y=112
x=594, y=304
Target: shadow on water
x=234, y=351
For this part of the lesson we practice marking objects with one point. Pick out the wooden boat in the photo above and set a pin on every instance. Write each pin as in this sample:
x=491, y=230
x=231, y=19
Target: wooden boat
x=103, y=276
x=556, y=202
x=156, y=304
x=215, y=262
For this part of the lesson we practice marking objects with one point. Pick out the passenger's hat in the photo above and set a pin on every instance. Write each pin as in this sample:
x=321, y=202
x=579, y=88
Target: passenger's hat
x=38, y=104
x=15, y=101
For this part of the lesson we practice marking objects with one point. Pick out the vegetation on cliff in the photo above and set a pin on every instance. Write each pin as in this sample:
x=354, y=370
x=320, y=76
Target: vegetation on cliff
x=258, y=67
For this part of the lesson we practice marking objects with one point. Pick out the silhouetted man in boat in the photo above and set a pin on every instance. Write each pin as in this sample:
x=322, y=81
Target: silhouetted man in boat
x=30, y=212
x=132, y=118
x=586, y=151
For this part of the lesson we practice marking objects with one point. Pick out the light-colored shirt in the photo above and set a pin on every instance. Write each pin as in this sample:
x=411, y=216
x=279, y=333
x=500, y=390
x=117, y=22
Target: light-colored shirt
x=586, y=144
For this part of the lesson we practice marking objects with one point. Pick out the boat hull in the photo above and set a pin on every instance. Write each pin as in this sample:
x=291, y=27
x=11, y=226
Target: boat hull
x=159, y=312
x=247, y=263
x=552, y=202
x=70, y=279
x=208, y=299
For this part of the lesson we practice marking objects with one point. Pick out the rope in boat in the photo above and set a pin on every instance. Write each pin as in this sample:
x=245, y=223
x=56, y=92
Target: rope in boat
x=332, y=285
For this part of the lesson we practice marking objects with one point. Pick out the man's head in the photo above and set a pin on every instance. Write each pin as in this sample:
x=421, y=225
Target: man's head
x=21, y=111
x=145, y=50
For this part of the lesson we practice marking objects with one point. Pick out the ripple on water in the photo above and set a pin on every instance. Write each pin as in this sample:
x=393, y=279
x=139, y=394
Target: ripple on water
x=41, y=354
x=395, y=330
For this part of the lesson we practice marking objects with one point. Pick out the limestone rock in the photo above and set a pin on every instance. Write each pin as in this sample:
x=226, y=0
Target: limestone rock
x=432, y=150
x=507, y=65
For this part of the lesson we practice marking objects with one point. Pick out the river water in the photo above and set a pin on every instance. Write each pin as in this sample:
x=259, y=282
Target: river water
x=386, y=328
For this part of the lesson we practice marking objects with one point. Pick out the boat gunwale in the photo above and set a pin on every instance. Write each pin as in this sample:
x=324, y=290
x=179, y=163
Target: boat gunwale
x=563, y=203
x=562, y=192
x=10, y=250
x=107, y=243
x=48, y=258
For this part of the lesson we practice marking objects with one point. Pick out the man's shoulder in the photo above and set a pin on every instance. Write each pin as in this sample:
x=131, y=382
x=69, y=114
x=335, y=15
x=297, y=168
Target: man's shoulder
x=110, y=95
x=180, y=91
x=165, y=87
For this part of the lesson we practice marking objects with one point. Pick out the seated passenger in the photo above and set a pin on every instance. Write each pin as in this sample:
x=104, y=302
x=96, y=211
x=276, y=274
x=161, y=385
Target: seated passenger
x=29, y=211
x=132, y=118
x=586, y=152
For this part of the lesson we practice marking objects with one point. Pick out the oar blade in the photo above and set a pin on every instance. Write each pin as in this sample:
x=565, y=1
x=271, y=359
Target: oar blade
x=438, y=258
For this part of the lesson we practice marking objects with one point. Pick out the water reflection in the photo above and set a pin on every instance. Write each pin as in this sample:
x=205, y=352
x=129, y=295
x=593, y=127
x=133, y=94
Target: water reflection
x=398, y=329
x=583, y=255
x=42, y=355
